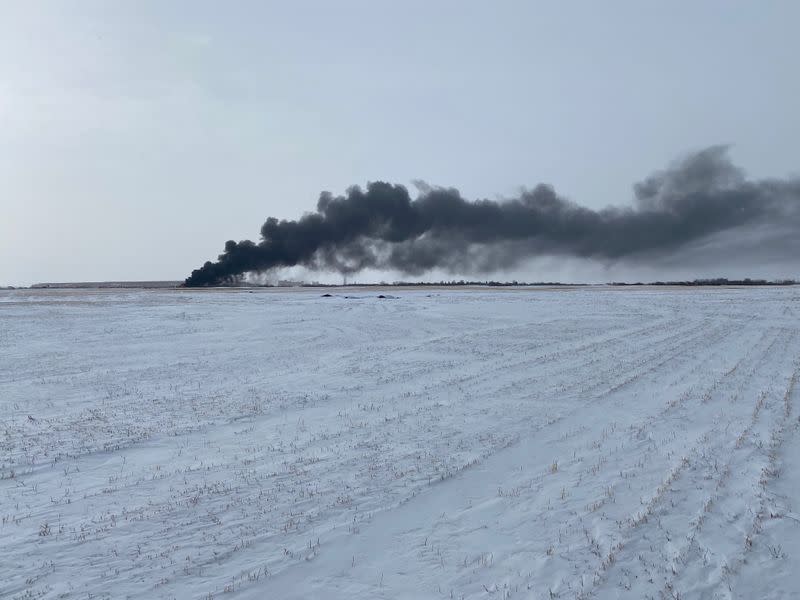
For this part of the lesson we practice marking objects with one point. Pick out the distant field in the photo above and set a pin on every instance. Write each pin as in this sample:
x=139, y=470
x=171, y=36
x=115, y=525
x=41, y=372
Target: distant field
x=447, y=442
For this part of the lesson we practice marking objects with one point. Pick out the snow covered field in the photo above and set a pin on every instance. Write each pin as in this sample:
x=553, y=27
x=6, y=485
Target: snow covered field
x=636, y=443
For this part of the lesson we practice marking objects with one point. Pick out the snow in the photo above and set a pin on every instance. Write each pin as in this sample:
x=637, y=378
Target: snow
x=436, y=443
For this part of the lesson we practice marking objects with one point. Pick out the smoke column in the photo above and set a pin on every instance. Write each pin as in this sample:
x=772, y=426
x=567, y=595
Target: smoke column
x=383, y=227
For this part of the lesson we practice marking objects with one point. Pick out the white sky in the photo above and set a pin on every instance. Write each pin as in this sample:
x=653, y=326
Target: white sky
x=136, y=137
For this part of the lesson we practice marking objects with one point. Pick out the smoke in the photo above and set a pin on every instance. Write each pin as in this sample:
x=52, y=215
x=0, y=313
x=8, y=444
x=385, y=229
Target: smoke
x=382, y=227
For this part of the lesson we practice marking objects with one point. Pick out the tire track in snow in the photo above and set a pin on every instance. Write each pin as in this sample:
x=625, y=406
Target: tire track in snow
x=681, y=347
x=627, y=461
x=697, y=471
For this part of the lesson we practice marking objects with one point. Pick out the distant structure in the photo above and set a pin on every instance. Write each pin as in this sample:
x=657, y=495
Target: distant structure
x=74, y=285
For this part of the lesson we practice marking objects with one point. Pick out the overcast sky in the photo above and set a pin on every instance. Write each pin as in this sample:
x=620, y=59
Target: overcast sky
x=136, y=137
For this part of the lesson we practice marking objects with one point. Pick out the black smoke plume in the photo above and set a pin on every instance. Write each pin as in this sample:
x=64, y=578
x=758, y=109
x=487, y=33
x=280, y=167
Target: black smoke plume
x=383, y=227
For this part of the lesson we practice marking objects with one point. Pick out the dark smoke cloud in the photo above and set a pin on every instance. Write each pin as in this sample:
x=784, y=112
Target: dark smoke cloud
x=383, y=227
